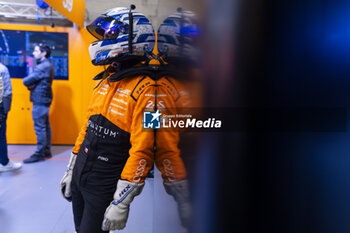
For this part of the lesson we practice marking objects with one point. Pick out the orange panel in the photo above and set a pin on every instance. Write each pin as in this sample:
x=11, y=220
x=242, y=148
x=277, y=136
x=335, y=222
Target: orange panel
x=74, y=10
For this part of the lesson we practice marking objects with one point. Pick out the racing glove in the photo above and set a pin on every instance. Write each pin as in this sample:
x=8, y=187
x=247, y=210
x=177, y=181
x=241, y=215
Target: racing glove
x=67, y=178
x=179, y=190
x=117, y=212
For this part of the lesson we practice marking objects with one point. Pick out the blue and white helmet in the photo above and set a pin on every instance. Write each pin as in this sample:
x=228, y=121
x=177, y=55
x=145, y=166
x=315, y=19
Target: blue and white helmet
x=177, y=38
x=112, y=31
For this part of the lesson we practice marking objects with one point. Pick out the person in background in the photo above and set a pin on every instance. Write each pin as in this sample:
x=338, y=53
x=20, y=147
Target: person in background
x=39, y=82
x=5, y=105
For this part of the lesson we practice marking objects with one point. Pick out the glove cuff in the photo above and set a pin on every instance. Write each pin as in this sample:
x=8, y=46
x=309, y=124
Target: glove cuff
x=126, y=191
x=179, y=190
x=73, y=158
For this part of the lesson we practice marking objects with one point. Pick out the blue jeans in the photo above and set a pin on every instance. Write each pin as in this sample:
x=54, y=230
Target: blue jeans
x=3, y=143
x=40, y=114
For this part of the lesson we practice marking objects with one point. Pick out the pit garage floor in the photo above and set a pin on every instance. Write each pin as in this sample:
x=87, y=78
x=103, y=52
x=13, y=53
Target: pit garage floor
x=31, y=202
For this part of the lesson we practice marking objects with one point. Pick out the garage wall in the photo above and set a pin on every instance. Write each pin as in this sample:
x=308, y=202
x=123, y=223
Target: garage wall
x=71, y=97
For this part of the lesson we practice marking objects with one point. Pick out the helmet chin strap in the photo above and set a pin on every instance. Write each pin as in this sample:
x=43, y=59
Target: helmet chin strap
x=131, y=27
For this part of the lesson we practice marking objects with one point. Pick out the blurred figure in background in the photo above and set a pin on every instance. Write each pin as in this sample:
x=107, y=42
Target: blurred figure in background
x=177, y=43
x=5, y=106
x=39, y=82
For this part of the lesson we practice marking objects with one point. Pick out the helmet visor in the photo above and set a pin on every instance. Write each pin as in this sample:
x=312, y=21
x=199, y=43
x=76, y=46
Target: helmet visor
x=106, y=27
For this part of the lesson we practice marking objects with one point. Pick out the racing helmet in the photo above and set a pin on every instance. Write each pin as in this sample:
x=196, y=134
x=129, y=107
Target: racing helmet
x=123, y=34
x=177, y=38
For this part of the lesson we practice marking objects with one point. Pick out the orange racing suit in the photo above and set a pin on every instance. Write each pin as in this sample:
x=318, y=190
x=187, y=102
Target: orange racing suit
x=114, y=120
x=112, y=144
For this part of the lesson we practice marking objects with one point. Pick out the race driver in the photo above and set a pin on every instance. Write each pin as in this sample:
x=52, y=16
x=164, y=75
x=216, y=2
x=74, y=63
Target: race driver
x=113, y=152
